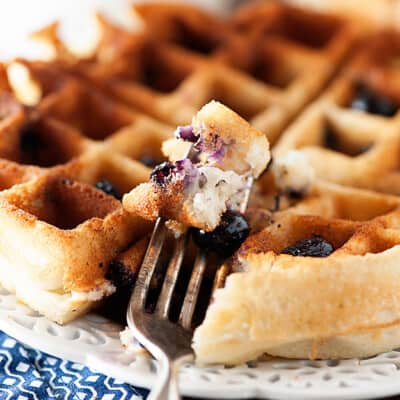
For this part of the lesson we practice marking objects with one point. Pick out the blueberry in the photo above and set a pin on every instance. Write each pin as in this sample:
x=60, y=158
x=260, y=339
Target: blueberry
x=227, y=237
x=162, y=173
x=120, y=275
x=362, y=102
x=107, y=187
x=368, y=101
x=186, y=133
x=315, y=246
x=149, y=161
x=384, y=106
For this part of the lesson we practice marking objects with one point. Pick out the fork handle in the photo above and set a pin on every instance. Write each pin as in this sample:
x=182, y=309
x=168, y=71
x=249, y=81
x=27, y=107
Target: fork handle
x=166, y=387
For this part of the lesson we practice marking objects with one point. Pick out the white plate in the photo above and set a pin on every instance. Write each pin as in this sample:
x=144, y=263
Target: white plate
x=94, y=341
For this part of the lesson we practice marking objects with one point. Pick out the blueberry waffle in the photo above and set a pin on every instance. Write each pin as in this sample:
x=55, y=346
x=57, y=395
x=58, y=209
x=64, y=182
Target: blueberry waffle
x=350, y=134
x=318, y=280
x=77, y=133
x=195, y=190
x=182, y=58
x=65, y=163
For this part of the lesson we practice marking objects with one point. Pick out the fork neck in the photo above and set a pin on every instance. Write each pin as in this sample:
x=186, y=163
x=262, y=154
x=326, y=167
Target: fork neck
x=166, y=387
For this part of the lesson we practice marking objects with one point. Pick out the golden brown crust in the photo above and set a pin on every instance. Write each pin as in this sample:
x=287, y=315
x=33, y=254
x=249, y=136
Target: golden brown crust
x=84, y=227
x=131, y=259
x=345, y=145
x=266, y=63
x=151, y=201
x=307, y=307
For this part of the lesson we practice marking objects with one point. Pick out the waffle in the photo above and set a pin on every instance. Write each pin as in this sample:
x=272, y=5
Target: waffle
x=72, y=125
x=227, y=151
x=52, y=157
x=346, y=145
x=273, y=71
x=341, y=306
x=378, y=13
x=183, y=58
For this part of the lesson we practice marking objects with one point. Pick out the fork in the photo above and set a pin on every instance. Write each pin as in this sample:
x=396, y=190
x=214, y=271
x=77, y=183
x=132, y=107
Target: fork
x=168, y=342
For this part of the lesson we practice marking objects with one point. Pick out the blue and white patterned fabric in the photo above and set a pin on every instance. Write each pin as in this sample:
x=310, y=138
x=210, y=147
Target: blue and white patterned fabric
x=28, y=374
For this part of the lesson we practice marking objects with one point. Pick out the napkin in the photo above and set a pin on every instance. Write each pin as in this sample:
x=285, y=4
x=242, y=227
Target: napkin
x=28, y=374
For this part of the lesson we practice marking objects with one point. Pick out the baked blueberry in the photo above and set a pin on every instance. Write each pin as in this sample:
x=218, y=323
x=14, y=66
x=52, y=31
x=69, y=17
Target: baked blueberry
x=186, y=133
x=107, y=187
x=120, y=275
x=384, y=106
x=368, y=101
x=149, y=161
x=315, y=246
x=162, y=173
x=363, y=101
x=227, y=237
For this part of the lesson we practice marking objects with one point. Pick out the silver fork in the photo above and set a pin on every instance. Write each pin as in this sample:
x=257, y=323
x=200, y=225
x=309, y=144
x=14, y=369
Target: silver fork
x=168, y=342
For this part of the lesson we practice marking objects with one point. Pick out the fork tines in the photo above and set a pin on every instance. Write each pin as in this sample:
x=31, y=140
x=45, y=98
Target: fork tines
x=151, y=266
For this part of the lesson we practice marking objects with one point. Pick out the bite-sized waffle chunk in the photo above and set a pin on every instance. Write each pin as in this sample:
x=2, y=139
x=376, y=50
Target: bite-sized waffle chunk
x=223, y=139
x=197, y=194
x=194, y=196
x=319, y=281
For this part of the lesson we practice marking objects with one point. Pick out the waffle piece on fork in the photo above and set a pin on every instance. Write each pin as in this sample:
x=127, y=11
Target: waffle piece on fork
x=218, y=137
x=196, y=191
